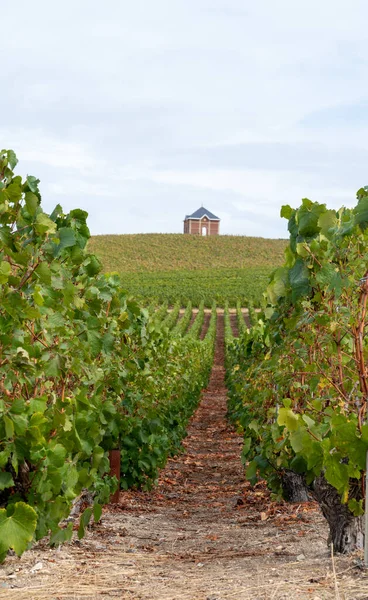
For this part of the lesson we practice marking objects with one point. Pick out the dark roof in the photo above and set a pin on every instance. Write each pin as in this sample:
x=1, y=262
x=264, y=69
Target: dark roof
x=202, y=212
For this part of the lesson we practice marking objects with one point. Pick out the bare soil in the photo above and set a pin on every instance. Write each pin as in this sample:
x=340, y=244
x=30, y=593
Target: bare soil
x=202, y=534
x=234, y=324
x=206, y=323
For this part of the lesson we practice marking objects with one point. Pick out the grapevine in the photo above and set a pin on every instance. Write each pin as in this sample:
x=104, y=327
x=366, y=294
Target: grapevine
x=298, y=379
x=83, y=370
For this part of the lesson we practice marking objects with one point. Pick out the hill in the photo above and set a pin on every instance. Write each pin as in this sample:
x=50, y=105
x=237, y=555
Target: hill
x=176, y=267
x=173, y=252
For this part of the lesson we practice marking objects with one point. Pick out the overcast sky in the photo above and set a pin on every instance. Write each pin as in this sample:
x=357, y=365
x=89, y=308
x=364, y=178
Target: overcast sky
x=141, y=111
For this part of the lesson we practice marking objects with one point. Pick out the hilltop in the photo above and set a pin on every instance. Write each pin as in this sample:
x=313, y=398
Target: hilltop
x=181, y=268
x=177, y=252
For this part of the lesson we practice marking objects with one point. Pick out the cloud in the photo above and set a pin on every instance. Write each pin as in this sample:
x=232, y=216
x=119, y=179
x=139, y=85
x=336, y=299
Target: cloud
x=139, y=112
x=34, y=147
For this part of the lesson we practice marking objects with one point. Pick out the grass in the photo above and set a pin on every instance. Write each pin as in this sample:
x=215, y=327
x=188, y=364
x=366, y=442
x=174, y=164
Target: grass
x=176, y=267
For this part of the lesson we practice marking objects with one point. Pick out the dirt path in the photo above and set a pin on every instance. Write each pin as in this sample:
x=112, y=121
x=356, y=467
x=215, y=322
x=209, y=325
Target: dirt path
x=206, y=323
x=234, y=324
x=202, y=534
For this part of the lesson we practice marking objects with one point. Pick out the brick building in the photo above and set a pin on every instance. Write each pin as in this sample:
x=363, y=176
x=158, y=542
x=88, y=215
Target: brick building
x=202, y=222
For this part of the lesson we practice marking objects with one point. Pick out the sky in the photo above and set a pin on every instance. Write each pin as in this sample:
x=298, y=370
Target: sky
x=141, y=112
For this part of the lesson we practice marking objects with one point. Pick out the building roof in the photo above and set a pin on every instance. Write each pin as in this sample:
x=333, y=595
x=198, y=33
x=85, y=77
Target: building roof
x=202, y=212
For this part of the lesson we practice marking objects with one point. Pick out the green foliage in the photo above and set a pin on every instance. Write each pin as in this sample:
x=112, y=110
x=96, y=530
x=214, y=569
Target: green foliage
x=69, y=338
x=17, y=527
x=161, y=312
x=174, y=267
x=83, y=370
x=229, y=336
x=242, y=327
x=182, y=325
x=150, y=253
x=231, y=284
x=172, y=316
x=196, y=328
x=298, y=379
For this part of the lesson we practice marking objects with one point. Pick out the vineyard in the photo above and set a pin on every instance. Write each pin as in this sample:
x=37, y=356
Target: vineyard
x=173, y=267
x=225, y=285
x=84, y=370
x=298, y=379
x=176, y=252
x=237, y=428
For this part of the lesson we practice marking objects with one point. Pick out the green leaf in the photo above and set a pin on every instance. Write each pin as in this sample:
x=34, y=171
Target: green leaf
x=251, y=472
x=97, y=512
x=95, y=342
x=286, y=211
x=20, y=424
x=12, y=159
x=33, y=183
x=5, y=270
x=108, y=341
x=67, y=239
x=56, y=455
x=84, y=521
x=9, y=427
x=32, y=202
x=44, y=224
x=254, y=426
x=302, y=249
x=247, y=445
x=356, y=507
x=299, y=280
x=69, y=483
x=17, y=407
x=43, y=272
x=298, y=465
x=14, y=190
x=17, y=527
x=97, y=456
x=336, y=473
x=37, y=296
x=6, y=480
x=277, y=286
x=38, y=405
x=56, y=320
x=361, y=213
x=299, y=440
x=327, y=223
x=53, y=367
x=310, y=422
x=307, y=217
x=59, y=536
x=288, y=418
x=4, y=456
x=53, y=481
x=326, y=276
x=68, y=425
x=6, y=237
x=93, y=266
